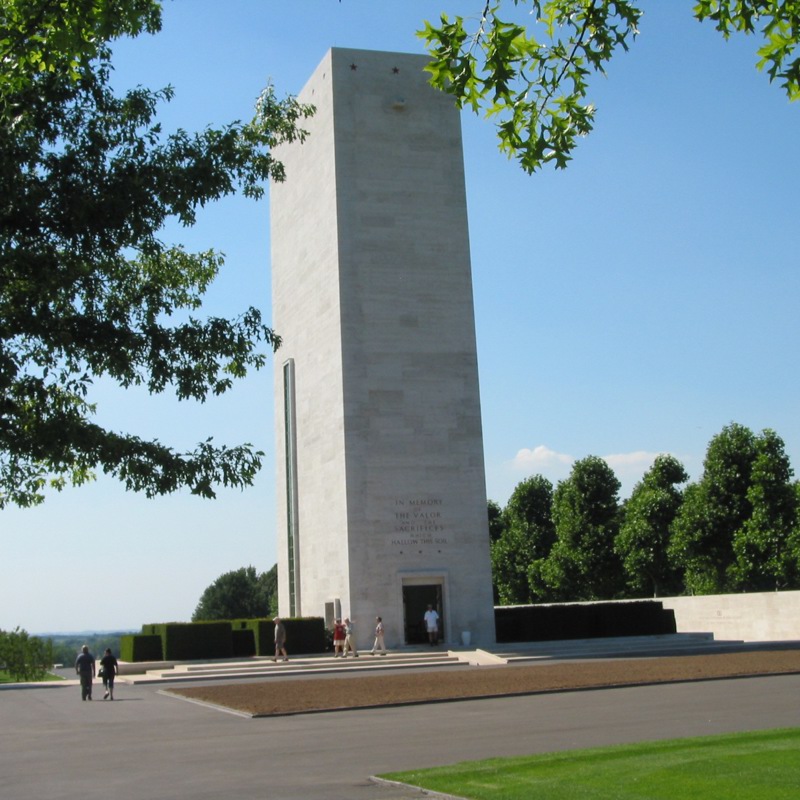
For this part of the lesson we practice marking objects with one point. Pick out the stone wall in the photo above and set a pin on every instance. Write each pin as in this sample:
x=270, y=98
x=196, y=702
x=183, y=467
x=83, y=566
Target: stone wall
x=760, y=617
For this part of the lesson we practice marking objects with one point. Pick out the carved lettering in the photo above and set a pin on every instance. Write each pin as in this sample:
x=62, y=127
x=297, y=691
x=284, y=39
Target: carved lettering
x=417, y=522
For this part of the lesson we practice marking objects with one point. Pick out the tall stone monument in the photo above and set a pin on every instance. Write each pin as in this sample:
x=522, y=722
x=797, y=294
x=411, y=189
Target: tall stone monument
x=381, y=488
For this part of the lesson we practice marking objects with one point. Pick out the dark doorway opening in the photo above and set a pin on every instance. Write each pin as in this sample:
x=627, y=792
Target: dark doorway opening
x=416, y=599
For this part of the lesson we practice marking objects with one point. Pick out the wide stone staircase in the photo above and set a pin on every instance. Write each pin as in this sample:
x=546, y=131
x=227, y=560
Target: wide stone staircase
x=300, y=666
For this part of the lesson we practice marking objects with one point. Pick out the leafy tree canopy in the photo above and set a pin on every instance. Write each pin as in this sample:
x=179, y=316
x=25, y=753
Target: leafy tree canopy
x=583, y=564
x=496, y=523
x=534, y=77
x=644, y=535
x=713, y=510
x=87, y=287
x=766, y=547
x=240, y=594
x=527, y=536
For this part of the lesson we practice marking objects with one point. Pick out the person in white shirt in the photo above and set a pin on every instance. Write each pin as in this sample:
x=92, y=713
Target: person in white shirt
x=432, y=625
x=349, y=638
x=379, y=645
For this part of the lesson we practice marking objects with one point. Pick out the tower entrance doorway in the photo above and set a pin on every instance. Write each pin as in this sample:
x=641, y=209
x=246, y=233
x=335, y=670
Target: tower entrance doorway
x=416, y=599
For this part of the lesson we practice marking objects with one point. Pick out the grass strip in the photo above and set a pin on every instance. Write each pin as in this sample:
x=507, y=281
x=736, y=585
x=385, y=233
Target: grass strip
x=6, y=678
x=761, y=765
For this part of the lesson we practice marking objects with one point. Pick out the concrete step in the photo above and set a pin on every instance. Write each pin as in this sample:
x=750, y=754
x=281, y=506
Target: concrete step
x=297, y=667
x=618, y=647
x=319, y=662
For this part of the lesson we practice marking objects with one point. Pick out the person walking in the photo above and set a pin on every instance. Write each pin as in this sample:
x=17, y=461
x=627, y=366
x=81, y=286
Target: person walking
x=349, y=642
x=280, y=640
x=84, y=666
x=379, y=645
x=109, y=669
x=432, y=625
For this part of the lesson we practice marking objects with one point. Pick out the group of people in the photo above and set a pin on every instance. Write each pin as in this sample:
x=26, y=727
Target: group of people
x=344, y=638
x=85, y=667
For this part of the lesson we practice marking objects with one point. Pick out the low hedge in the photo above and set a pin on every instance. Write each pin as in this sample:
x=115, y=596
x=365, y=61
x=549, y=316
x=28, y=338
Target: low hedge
x=140, y=647
x=304, y=635
x=244, y=643
x=582, y=621
x=240, y=638
x=190, y=641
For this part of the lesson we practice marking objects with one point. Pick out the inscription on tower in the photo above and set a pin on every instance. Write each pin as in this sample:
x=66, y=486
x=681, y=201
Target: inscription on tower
x=419, y=521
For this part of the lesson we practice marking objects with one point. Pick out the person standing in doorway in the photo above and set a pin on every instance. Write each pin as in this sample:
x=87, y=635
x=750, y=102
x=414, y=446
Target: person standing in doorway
x=379, y=645
x=84, y=666
x=109, y=670
x=280, y=640
x=432, y=625
x=349, y=641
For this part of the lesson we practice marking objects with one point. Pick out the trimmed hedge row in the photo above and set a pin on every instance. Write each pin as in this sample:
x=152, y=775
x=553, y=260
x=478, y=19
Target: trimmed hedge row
x=140, y=647
x=241, y=638
x=304, y=635
x=585, y=621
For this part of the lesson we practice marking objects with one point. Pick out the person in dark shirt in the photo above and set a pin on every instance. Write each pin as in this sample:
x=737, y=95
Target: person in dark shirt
x=109, y=670
x=84, y=666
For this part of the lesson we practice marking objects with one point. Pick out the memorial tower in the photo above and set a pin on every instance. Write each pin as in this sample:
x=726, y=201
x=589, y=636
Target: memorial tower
x=381, y=496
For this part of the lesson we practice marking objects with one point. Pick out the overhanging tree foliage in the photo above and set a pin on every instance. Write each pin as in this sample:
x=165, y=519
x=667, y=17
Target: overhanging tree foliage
x=87, y=288
x=533, y=78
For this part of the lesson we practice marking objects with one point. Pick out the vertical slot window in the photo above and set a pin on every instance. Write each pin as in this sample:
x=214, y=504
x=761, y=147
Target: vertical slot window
x=290, y=455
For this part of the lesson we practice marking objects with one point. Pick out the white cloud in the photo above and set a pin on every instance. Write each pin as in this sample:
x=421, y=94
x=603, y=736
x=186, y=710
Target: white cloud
x=541, y=457
x=639, y=461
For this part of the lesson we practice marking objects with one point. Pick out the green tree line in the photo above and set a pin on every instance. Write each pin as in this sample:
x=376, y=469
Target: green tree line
x=736, y=529
x=24, y=657
x=66, y=646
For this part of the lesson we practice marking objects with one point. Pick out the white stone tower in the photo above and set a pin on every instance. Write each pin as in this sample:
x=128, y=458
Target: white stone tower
x=381, y=488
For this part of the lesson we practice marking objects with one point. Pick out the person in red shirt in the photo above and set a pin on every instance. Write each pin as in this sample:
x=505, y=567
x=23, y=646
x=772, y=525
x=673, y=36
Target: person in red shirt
x=338, y=638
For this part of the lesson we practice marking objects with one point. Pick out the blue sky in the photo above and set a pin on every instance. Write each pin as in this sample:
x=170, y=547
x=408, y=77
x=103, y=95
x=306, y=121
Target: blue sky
x=633, y=304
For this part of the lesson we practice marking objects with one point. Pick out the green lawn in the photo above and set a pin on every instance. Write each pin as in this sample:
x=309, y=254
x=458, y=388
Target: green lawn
x=749, y=766
x=6, y=678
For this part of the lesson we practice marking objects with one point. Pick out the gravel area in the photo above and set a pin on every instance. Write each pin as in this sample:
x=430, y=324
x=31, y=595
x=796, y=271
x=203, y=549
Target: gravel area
x=292, y=696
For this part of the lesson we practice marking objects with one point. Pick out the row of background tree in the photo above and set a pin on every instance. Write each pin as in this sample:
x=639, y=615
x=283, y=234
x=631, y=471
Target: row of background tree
x=736, y=529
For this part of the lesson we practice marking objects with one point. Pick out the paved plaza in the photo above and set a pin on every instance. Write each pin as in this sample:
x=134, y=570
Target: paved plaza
x=147, y=744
